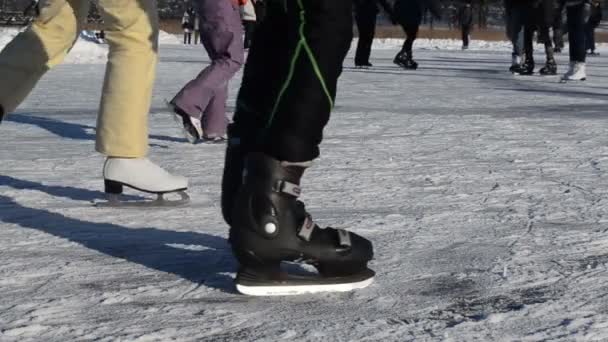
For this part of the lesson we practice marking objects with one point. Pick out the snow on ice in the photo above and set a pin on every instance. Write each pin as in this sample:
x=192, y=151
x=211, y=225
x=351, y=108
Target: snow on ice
x=485, y=195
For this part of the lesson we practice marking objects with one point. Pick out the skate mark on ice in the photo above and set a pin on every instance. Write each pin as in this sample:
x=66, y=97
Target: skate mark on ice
x=149, y=247
x=76, y=194
x=74, y=131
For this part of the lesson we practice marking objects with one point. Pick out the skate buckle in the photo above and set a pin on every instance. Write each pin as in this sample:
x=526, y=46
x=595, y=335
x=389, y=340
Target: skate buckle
x=287, y=188
x=307, y=227
x=344, y=237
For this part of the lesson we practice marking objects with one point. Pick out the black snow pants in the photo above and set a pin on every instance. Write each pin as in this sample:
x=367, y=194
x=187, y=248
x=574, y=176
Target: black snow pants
x=290, y=78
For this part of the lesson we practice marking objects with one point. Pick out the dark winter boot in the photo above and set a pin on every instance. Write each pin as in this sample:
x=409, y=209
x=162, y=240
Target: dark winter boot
x=270, y=226
x=550, y=68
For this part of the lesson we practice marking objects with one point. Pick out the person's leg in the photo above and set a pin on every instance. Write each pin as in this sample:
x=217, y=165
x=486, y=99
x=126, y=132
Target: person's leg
x=215, y=120
x=516, y=23
x=132, y=34
x=366, y=25
x=466, y=32
x=286, y=96
x=412, y=34
x=122, y=126
x=221, y=33
x=576, y=38
x=592, y=39
x=45, y=43
x=529, y=45
x=550, y=67
x=576, y=32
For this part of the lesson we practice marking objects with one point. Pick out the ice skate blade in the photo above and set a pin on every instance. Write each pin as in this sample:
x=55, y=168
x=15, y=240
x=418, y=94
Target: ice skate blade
x=304, y=285
x=565, y=80
x=114, y=201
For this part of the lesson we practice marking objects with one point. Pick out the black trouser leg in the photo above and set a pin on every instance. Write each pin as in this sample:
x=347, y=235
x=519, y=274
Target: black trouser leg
x=366, y=25
x=529, y=44
x=589, y=37
x=576, y=33
x=545, y=36
x=411, y=33
x=289, y=82
x=466, y=32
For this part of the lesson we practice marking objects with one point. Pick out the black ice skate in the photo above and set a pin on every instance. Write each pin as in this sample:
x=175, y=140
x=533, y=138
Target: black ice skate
x=405, y=61
x=191, y=127
x=550, y=68
x=1, y=113
x=142, y=175
x=270, y=227
x=525, y=69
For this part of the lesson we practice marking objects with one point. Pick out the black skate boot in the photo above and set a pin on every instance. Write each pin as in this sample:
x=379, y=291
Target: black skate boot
x=1, y=113
x=526, y=69
x=405, y=61
x=549, y=69
x=270, y=226
x=232, y=178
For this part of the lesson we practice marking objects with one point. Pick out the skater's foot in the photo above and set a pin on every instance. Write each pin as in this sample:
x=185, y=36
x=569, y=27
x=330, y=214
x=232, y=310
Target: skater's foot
x=1, y=113
x=140, y=174
x=192, y=127
x=405, y=61
x=576, y=72
x=515, y=68
x=527, y=68
x=549, y=69
x=270, y=225
x=593, y=53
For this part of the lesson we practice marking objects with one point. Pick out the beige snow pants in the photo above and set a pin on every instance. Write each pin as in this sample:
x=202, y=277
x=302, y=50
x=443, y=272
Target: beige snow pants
x=131, y=28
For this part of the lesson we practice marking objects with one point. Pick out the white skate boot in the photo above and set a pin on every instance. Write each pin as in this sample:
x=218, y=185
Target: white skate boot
x=143, y=175
x=576, y=72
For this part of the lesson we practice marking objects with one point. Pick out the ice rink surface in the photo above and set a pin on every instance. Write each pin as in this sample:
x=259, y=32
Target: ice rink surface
x=485, y=194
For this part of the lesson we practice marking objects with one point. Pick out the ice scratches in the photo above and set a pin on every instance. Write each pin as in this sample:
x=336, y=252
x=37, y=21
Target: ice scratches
x=475, y=309
x=449, y=285
x=568, y=328
x=593, y=262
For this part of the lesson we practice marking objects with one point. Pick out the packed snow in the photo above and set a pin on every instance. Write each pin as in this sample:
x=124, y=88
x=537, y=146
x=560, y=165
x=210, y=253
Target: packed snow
x=485, y=196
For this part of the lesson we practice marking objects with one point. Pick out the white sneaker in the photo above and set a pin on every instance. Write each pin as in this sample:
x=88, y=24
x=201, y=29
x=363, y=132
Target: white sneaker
x=576, y=72
x=140, y=174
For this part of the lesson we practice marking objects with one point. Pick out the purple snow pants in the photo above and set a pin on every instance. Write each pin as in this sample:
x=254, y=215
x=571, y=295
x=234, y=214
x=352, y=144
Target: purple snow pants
x=205, y=96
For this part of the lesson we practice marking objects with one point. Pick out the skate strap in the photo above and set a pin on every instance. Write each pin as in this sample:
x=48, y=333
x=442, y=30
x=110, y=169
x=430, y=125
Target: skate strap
x=288, y=188
x=344, y=237
x=307, y=227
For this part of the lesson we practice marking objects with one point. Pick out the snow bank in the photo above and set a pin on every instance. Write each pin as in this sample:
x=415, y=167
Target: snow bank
x=87, y=49
x=168, y=38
